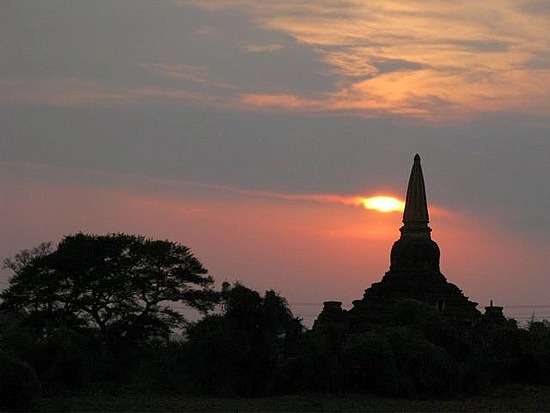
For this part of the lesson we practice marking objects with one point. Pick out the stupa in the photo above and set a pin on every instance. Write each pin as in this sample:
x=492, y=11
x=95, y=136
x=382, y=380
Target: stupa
x=414, y=272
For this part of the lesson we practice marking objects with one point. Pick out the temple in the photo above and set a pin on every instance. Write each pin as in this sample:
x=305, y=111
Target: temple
x=414, y=273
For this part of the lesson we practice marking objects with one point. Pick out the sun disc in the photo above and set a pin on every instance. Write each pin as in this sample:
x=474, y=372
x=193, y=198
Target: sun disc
x=382, y=203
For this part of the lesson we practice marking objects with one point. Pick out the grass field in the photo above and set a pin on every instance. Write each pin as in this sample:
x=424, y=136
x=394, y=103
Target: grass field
x=511, y=398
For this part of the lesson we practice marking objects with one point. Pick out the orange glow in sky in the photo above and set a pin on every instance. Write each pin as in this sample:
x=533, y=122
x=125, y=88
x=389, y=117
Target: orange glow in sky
x=424, y=59
x=382, y=203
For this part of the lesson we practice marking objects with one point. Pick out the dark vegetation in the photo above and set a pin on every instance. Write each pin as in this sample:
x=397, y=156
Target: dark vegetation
x=94, y=316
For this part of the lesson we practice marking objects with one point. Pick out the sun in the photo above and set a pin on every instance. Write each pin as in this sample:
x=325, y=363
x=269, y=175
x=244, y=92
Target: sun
x=381, y=203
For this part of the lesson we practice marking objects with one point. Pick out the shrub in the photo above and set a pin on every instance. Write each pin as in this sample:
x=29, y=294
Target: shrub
x=19, y=386
x=509, y=350
x=458, y=343
x=162, y=369
x=316, y=368
x=237, y=352
x=369, y=364
x=425, y=369
x=216, y=357
x=65, y=360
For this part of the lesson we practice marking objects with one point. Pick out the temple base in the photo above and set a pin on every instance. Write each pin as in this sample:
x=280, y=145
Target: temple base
x=430, y=288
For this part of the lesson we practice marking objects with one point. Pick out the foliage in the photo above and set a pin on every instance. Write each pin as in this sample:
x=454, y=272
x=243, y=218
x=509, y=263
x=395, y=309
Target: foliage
x=66, y=360
x=237, y=352
x=122, y=285
x=161, y=369
x=370, y=364
x=425, y=369
x=19, y=386
x=94, y=313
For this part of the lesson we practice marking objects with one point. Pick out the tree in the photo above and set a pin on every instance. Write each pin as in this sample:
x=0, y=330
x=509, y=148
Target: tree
x=122, y=285
x=241, y=350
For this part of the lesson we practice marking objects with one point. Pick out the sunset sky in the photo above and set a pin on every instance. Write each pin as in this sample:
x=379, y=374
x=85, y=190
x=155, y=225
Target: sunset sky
x=250, y=130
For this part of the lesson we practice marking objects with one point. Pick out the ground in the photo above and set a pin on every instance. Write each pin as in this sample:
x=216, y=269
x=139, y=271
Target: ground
x=510, y=398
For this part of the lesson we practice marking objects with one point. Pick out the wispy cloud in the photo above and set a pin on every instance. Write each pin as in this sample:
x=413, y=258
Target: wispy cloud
x=59, y=92
x=281, y=101
x=382, y=201
x=196, y=74
x=262, y=48
x=426, y=59
x=77, y=92
x=379, y=200
x=403, y=57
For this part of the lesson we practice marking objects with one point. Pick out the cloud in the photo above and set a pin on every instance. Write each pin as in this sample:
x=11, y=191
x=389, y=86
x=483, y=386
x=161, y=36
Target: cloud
x=366, y=98
x=536, y=7
x=77, y=92
x=196, y=74
x=382, y=201
x=262, y=48
x=401, y=57
x=280, y=101
x=539, y=62
x=59, y=92
x=428, y=59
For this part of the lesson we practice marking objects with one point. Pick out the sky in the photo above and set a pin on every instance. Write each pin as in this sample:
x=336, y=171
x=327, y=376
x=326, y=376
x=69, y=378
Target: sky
x=246, y=129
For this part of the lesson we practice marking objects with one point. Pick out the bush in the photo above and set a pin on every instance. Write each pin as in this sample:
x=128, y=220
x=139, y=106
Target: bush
x=539, y=338
x=458, y=343
x=425, y=369
x=162, y=369
x=65, y=360
x=19, y=386
x=369, y=364
x=316, y=368
x=237, y=352
x=509, y=350
x=475, y=373
x=217, y=358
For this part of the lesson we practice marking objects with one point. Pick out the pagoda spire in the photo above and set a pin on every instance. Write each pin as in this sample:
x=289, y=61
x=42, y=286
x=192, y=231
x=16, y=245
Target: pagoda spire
x=415, y=215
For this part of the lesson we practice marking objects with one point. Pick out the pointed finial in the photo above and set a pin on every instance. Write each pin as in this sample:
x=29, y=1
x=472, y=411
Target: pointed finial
x=415, y=215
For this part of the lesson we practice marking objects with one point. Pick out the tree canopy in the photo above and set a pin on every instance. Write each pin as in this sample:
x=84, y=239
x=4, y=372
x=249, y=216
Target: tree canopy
x=237, y=351
x=122, y=285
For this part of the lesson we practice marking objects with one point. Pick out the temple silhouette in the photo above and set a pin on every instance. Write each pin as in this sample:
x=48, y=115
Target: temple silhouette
x=414, y=274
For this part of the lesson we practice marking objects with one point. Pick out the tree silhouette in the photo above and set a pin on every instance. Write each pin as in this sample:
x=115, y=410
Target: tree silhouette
x=122, y=285
x=238, y=351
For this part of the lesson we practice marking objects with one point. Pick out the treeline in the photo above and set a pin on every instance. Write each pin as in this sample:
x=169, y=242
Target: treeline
x=94, y=314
